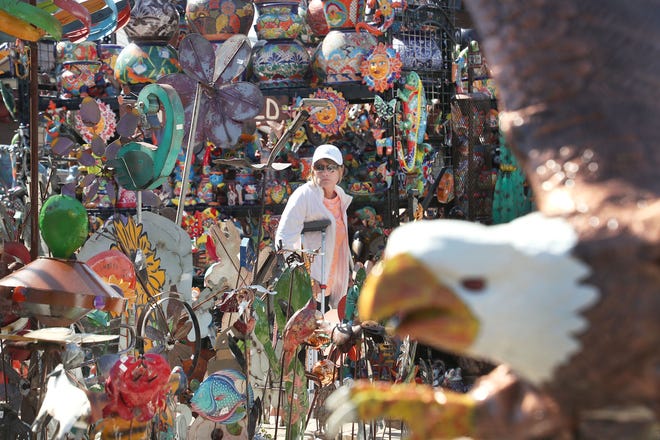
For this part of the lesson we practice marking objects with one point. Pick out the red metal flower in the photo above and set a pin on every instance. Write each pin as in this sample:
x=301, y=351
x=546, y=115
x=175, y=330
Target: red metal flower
x=137, y=387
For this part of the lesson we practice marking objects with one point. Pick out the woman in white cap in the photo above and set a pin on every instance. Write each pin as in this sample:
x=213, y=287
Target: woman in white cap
x=321, y=198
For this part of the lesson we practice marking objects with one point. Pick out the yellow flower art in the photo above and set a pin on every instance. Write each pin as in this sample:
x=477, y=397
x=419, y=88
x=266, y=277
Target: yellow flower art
x=134, y=243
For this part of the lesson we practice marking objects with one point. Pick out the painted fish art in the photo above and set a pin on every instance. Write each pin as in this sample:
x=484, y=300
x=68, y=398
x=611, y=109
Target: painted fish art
x=220, y=398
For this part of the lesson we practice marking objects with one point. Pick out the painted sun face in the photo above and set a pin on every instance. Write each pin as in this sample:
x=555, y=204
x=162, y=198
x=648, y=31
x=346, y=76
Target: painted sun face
x=331, y=119
x=379, y=66
x=328, y=115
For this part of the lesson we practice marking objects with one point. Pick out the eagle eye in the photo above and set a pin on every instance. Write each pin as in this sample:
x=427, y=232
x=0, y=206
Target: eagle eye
x=474, y=284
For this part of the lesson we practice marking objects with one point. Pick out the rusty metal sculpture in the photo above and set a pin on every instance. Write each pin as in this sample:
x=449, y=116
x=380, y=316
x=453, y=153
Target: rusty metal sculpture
x=582, y=120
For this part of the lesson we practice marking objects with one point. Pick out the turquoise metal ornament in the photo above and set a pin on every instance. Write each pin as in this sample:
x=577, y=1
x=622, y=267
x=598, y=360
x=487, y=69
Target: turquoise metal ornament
x=140, y=165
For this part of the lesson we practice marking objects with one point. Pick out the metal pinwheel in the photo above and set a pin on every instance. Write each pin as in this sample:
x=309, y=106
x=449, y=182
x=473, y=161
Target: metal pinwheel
x=209, y=85
x=209, y=88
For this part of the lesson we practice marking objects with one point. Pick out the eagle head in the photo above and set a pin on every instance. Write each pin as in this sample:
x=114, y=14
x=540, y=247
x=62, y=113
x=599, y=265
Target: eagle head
x=508, y=293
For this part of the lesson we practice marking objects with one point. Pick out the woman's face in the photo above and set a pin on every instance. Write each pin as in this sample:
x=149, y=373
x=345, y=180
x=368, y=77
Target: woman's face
x=327, y=174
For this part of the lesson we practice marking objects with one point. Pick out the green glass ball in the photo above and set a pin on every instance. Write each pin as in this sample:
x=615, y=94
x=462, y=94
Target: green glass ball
x=63, y=224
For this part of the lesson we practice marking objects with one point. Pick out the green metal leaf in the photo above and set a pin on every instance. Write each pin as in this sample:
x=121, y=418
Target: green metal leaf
x=296, y=280
x=262, y=333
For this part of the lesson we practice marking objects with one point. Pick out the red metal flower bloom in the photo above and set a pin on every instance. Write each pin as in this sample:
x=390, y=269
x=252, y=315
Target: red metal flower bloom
x=137, y=387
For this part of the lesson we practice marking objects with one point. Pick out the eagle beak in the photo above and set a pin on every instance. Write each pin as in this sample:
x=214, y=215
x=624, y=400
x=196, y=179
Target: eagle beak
x=404, y=288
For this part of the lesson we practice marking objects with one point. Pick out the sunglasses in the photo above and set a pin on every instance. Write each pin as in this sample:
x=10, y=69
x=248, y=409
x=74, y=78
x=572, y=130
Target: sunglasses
x=330, y=168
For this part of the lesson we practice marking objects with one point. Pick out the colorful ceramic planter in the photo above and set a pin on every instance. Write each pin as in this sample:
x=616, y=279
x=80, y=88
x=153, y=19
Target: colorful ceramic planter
x=75, y=75
x=278, y=21
x=338, y=57
x=343, y=14
x=144, y=64
x=316, y=18
x=218, y=20
x=153, y=21
x=280, y=63
x=66, y=52
x=108, y=54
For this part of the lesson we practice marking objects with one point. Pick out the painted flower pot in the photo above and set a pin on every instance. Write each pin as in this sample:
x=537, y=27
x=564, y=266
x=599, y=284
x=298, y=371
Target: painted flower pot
x=66, y=52
x=343, y=14
x=217, y=20
x=280, y=63
x=153, y=21
x=144, y=64
x=338, y=57
x=108, y=54
x=278, y=21
x=316, y=18
x=75, y=75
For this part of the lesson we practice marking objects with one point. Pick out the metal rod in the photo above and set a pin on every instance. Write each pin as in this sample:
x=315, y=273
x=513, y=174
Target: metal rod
x=34, y=147
x=189, y=155
x=325, y=282
x=281, y=378
x=279, y=396
x=310, y=410
x=4, y=373
x=138, y=197
x=293, y=395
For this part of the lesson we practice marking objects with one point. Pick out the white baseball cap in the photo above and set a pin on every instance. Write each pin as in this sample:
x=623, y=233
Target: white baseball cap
x=327, y=151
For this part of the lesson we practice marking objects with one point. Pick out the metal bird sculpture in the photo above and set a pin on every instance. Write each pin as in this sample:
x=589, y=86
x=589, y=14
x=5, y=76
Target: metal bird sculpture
x=178, y=381
x=565, y=300
x=298, y=329
x=59, y=389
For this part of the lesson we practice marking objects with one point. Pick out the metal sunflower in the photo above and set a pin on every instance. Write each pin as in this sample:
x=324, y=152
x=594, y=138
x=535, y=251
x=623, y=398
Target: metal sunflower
x=132, y=241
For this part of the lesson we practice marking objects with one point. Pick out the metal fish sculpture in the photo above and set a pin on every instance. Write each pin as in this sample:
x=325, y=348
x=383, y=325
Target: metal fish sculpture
x=220, y=398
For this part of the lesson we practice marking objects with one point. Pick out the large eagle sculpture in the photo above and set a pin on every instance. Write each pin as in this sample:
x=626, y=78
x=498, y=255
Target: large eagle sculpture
x=566, y=300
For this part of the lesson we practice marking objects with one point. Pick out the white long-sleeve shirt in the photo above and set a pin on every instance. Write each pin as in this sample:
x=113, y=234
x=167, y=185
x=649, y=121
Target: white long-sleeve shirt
x=306, y=204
